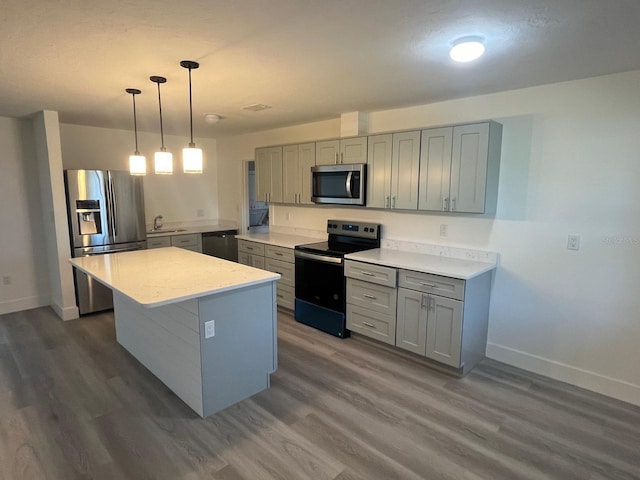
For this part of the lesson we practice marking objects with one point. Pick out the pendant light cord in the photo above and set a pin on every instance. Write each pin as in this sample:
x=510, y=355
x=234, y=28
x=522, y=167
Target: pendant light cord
x=161, y=130
x=191, y=112
x=135, y=123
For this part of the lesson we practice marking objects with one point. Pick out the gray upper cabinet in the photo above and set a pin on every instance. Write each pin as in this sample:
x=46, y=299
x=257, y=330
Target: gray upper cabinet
x=435, y=168
x=405, y=168
x=459, y=168
x=392, y=170
x=379, y=171
x=269, y=174
x=346, y=150
x=297, y=161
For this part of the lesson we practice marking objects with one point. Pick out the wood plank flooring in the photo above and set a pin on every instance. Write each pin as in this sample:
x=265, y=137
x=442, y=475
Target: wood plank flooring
x=76, y=405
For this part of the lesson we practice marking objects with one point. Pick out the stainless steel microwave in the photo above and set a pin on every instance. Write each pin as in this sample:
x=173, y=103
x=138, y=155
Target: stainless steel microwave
x=341, y=184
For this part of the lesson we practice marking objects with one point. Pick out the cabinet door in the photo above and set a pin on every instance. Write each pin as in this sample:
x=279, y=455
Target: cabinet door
x=411, y=322
x=307, y=159
x=291, y=173
x=244, y=258
x=405, y=170
x=353, y=150
x=263, y=174
x=435, y=169
x=269, y=174
x=469, y=168
x=327, y=152
x=379, y=171
x=444, y=330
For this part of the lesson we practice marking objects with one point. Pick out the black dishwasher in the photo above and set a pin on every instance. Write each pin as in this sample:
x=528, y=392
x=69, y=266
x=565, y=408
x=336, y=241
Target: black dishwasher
x=222, y=244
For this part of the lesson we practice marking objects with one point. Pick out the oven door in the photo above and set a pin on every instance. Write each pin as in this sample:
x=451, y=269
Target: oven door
x=320, y=280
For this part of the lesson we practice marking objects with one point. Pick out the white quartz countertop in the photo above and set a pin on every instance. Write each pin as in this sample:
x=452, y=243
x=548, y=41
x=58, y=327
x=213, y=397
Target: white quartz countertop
x=279, y=239
x=185, y=230
x=421, y=262
x=161, y=276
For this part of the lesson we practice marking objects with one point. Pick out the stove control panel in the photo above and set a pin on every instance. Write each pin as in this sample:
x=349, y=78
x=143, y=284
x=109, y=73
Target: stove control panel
x=354, y=229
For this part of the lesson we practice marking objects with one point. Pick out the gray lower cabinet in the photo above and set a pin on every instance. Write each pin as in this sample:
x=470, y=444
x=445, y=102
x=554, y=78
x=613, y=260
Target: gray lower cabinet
x=190, y=241
x=274, y=259
x=444, y=319
x=371, y=300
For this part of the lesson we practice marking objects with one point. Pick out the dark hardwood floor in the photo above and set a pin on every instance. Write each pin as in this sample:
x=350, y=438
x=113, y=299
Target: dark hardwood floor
x=76, y=405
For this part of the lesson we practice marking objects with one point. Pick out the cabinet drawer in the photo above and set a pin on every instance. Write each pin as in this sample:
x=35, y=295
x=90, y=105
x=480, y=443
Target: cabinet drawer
x=190, y=240
x=370, y=273
x=371, y=324
x=251, y=247
x=158, y=242
x=425, y=282
x=286, y=270
x=279, y=253
x=285, y=296
x=369, y=295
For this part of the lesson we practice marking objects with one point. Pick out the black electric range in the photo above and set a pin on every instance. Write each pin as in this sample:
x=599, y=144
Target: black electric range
x=319, y=269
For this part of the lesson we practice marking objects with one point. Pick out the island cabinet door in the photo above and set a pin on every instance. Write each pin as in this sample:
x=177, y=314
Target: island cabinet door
x=411, y=323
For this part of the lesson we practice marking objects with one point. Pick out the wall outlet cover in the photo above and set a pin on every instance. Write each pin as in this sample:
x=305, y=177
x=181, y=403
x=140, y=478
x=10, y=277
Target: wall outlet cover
x=210, y=329
x=573, y=242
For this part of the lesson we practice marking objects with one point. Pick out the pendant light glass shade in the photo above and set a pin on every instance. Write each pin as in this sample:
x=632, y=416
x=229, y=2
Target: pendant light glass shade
x=137, y=162
x=192, y=160
x=137, y=165
x=163, y=160
x=191, y=156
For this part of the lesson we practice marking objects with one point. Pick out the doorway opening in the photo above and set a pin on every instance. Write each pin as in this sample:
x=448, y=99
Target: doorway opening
x=258, y=211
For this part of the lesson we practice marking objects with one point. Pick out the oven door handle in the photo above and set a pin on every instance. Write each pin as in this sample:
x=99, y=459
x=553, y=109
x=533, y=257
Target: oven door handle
x=320, y=258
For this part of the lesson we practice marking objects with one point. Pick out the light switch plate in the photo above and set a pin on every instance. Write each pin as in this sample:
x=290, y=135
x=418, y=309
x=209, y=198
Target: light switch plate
x=573, y=242
x=209, y=329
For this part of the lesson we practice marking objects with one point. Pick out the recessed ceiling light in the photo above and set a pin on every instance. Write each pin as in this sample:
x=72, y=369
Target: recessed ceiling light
x=212, y=117
x=467, y=49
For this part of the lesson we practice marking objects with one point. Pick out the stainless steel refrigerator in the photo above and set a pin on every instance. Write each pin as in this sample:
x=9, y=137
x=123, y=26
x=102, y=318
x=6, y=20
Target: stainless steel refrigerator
x=106, y=215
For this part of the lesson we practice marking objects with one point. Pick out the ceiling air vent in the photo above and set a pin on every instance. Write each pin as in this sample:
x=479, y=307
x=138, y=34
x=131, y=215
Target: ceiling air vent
x=256, y=107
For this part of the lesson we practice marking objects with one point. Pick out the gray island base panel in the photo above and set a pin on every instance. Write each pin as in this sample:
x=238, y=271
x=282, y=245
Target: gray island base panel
x=208, y=374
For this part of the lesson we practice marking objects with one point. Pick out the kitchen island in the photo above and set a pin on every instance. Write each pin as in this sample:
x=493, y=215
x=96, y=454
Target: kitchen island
x=206, y=327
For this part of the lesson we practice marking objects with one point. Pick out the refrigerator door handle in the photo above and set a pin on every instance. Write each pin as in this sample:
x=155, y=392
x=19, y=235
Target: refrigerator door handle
x=107, y=207
x=114, y=206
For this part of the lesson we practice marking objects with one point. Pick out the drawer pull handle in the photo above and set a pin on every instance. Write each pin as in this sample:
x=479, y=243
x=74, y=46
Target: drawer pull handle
x=280, y=296
x=278, y=253
x=370, y=297
x=367, y=324
x=428, y=284
x=369, y=274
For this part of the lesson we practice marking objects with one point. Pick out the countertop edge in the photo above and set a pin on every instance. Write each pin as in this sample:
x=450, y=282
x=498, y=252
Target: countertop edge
x=483, y=266
x=288, y=241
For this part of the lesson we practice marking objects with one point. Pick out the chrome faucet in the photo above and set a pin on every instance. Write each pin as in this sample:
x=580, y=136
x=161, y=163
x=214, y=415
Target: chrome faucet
x=157, y=223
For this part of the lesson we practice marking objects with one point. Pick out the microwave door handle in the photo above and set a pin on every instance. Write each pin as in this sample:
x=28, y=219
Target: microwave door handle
x=349, y=185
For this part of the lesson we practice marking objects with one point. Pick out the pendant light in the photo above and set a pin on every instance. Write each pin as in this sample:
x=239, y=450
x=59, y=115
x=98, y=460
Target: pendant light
x=137, y=162
x=163, y=159
x=191, y=156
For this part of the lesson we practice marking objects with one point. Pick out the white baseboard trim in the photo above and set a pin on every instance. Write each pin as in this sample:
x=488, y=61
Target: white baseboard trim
x=66, y=313
x=26, y=303
x=611, y=387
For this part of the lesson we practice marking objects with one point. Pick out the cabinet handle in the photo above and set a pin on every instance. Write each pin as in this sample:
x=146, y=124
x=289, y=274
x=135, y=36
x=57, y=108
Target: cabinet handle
x=277, y=253
x=279, y=296
x=341, y=157
x=386, y=201
x=369, y=274
x=453, y=204
x=367, y=324
x=445, y=200
x=393, y=202
x=423, y=301
x=336, y=158
x=432, y=303
x=425, y=284
x=370, y=297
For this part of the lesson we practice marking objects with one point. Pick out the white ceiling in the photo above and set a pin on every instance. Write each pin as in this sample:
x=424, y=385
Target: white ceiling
x=309, y=59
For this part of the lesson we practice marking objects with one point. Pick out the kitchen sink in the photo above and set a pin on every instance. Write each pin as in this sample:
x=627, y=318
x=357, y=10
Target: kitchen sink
x=163, y=230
